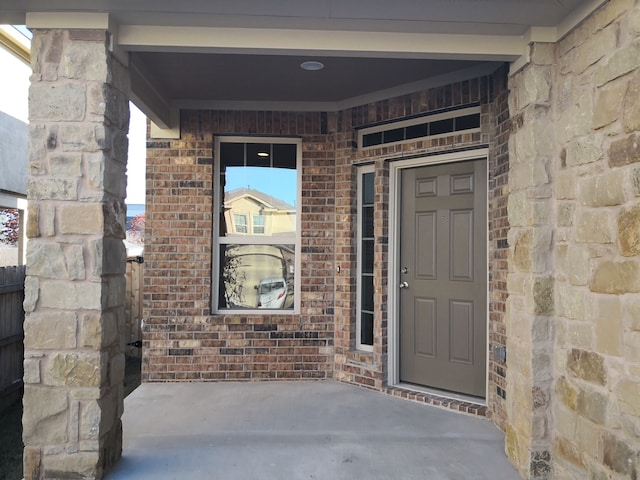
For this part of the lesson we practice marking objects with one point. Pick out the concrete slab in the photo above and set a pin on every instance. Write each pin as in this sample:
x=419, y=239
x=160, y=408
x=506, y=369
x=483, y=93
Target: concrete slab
x=300, y=430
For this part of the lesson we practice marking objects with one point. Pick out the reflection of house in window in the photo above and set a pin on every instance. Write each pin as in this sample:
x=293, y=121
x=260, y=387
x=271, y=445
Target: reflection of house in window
x=268, y=215
x=258, y=224
x=240, y=223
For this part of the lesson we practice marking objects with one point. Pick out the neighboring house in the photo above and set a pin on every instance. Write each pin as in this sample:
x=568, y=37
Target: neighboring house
x=467, y=221
x=251, y=272
x=250, y=211
x=14, y=81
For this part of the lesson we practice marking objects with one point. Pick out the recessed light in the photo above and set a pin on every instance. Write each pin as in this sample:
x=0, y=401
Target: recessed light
x=263, y=154
x=312, y=65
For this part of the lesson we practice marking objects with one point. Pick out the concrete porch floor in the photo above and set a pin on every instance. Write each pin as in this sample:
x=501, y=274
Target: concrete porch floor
x=300, y=430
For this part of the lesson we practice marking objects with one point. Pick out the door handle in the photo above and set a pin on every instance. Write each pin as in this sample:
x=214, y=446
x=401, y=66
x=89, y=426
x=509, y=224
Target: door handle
x=404, y=285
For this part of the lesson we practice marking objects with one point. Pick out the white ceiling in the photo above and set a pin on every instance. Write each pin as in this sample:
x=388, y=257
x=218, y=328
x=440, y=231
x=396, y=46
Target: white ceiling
x=246, y=53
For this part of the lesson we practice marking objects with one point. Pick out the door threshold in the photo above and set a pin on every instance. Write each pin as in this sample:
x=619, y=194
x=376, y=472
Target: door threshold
x=438, y=398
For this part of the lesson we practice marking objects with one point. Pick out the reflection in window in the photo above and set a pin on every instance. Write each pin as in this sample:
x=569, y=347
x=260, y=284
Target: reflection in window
x=240, y=221
x=257, y=276
x=11, y=237
x=258, y=224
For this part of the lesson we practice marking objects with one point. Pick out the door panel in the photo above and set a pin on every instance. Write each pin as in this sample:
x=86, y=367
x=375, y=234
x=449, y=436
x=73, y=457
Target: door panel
x=461, y=236
x=443, y=227
x=426, y=237
x=425, y=327
x=461, y=332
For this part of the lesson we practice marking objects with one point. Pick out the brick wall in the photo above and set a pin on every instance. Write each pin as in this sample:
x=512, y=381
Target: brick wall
x=500, y=126
x=184, y=341
x=369, y=369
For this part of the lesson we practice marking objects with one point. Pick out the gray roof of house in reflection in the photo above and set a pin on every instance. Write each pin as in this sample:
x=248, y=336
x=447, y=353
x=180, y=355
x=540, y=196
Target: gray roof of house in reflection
x=262, y=197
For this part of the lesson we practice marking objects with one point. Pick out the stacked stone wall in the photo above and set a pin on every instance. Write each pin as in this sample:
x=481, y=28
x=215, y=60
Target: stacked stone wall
x=75, y=285
x=573, y=208
x=530, y=305
x=596, y=407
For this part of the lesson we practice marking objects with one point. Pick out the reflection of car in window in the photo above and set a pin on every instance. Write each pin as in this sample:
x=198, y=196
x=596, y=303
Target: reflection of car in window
x=272, y=292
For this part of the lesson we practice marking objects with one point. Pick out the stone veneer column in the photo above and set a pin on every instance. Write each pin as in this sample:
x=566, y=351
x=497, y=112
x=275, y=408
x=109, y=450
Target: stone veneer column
x=530, y=281
x=74, y=298
x=596, y=403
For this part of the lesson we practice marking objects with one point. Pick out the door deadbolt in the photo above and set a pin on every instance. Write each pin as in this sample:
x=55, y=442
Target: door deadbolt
x=404, y=270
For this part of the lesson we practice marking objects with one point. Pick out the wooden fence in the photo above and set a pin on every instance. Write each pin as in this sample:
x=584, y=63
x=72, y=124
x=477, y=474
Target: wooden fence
x=12, y=320
x=133, y=308
x=11, y=333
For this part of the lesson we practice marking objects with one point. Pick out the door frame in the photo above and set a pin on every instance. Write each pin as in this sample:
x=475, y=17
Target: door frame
x=393, y=340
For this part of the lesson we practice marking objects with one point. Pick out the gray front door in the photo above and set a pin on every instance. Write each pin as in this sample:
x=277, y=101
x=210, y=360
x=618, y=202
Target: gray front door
x=443, y=276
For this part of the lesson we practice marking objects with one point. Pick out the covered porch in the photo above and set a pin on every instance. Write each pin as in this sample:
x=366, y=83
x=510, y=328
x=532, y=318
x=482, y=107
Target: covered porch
x=552, y=89
x=300, y=430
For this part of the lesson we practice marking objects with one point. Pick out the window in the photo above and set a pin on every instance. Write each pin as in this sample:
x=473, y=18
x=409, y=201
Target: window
x=465, y=120
x=12, y=232
x=258, y=224
x=366, y=243
x=240, y=221
x=257, y=241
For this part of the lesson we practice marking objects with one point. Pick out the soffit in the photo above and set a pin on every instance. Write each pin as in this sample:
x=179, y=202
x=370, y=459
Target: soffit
x=279, y=78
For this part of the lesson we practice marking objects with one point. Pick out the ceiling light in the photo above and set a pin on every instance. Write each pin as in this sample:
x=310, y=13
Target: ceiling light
x=312, y=65
x=263, y=154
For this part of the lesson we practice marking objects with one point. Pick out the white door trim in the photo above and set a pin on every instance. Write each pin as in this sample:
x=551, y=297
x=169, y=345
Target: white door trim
x=394, y=251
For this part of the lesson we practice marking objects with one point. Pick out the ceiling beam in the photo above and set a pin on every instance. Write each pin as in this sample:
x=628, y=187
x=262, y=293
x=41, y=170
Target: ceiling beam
x=321, y=42
x=68, y=20
x=153, y=101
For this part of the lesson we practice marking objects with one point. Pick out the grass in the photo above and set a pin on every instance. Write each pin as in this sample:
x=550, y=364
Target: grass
x=11, y=426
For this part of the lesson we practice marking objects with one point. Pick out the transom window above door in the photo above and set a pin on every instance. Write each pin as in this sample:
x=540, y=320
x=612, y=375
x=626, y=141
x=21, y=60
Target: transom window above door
x=256, y=201
x=433, y=125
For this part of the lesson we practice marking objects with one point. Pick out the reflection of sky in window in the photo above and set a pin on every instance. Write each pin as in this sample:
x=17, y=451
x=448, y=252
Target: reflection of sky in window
x=277, y=182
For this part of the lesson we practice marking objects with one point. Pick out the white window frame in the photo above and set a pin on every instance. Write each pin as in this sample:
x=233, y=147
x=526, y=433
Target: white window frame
x=462, y=112
x=257, y=239
x=236, y=224
x=19, y=203
x=359, y=345
x=255, y=224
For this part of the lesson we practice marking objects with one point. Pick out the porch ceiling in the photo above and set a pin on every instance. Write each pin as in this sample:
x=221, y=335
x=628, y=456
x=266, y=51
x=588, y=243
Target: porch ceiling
x=246, y=54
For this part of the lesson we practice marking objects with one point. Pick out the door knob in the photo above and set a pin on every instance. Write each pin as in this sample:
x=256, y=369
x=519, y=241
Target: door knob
x=404, y=285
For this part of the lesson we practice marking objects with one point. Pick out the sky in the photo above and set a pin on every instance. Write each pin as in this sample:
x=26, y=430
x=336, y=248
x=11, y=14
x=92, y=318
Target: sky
x=14, y=101
x=14, y=87
x=137, y=156
x=280, y=183
x=277, y=182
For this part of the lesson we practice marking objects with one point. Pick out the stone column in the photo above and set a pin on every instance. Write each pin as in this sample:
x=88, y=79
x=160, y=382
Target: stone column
x=75, y=286
x=530, y=283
